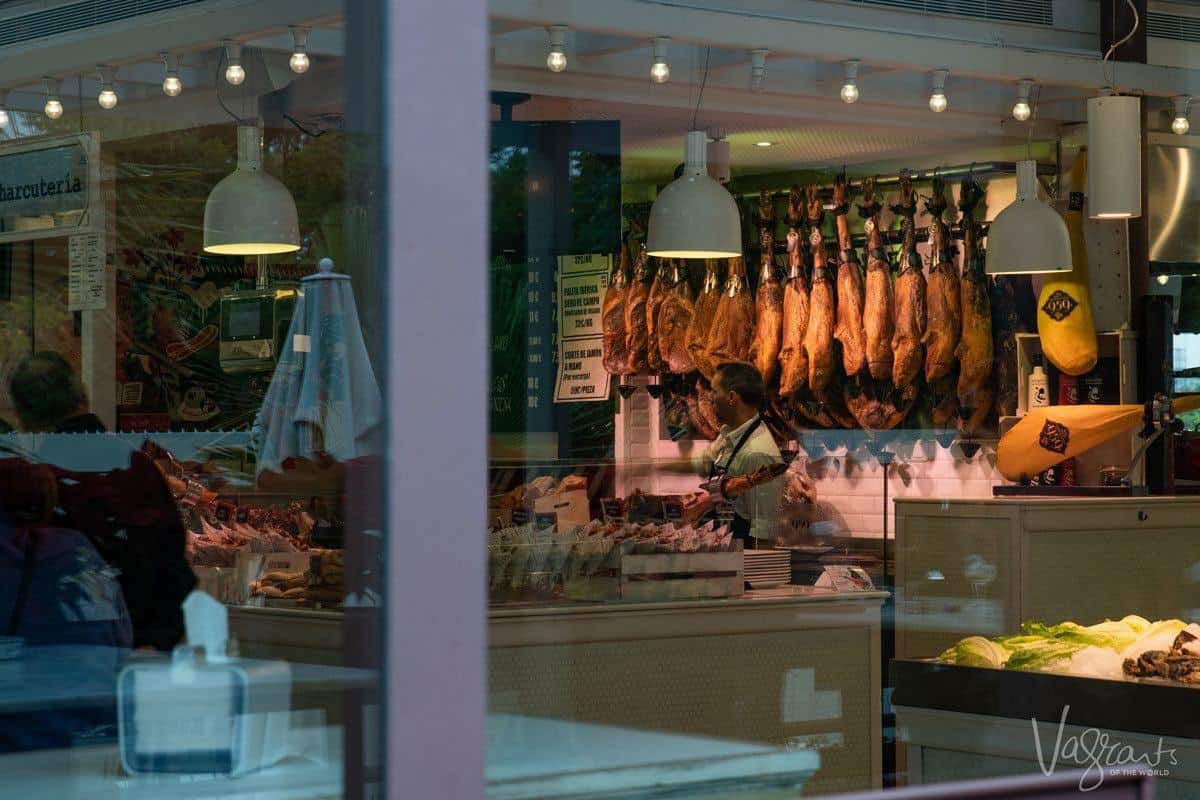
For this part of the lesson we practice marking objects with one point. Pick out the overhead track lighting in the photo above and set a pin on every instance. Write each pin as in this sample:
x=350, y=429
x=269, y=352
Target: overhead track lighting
x=54, y=107
x=1115, y=147
x=108, y=95
x=1028, y=236
x=937, y=100
x=171, y=85
x=694, y=216
x=1180, y=125
x=758, y=68
x=850, y=86
x=234, y=72
x=299, y=60
x=660, y=70
x=1021, y=110
x=556, y=59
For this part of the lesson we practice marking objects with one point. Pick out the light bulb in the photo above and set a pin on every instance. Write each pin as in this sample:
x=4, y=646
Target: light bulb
x=54, y=107
x=171, y=85
x=850, y=86
x=108, y=96
x=937, y=100
x=299, y=60
x=1180, y=125
x=660, y=71
x=1163, y=280
x=234, y=73
x=299, y=63
x=556, y=59
x=1021, y=111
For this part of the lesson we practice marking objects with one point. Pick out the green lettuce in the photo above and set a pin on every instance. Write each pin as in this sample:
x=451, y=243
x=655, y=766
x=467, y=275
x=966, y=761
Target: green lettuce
x=976, y=651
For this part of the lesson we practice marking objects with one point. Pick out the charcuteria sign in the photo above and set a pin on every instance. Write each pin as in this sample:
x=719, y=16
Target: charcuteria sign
x=46, y=187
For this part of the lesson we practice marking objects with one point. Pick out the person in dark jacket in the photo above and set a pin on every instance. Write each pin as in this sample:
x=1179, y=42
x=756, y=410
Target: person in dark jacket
x=55, y=590
x=128, y=515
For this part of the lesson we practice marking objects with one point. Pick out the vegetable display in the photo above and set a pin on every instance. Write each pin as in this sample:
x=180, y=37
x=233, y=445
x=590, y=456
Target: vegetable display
x=1132, y=646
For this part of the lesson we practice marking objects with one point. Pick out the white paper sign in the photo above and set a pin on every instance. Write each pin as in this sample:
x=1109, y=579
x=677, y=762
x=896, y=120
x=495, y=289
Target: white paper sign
x=85, y=281
x=581, y=283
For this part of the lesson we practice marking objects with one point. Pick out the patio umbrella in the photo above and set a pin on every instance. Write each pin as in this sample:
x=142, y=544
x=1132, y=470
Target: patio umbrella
x=323, y=402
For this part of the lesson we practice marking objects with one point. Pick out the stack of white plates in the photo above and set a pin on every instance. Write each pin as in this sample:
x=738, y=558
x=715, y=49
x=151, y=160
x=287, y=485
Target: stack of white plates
x=767, y=568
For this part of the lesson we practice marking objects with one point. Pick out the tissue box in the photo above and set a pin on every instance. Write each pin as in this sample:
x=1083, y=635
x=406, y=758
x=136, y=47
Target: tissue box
x=225, y=718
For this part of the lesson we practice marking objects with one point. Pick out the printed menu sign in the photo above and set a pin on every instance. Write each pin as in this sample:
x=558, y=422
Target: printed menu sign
x=85, y=280
x=581, y=283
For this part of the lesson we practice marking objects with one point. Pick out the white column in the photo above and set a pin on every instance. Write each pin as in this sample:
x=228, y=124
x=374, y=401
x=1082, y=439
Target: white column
x=436, y=138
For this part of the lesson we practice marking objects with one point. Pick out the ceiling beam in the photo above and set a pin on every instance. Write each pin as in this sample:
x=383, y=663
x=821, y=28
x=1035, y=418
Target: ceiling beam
x=180, y=30
x=740, y=29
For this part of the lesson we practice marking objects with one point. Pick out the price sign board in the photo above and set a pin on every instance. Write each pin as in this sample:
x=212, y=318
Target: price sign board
x=581, y=283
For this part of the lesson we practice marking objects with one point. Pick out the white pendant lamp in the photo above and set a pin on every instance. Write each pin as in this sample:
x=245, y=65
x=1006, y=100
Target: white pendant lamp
x=694, y=216
x=249, y=212
x=1029, y=236
x=1115, y=151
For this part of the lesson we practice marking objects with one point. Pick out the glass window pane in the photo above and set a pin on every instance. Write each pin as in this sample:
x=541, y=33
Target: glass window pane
x=192, y=376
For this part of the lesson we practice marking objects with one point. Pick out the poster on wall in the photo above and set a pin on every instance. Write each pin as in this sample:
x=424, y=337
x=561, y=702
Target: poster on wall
x=85, y=281
x=581, y=283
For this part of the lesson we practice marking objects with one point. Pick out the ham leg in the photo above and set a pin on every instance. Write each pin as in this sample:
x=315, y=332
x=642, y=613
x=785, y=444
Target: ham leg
x=975, y=354
x=793, y=359
x=768, y=317
x=674, y=318
x=612, y=316
x=849, y=330
x=637, y=335
x=943, y=327
x=907, y=351
x=732, y=330
x=706, y=309
x=818, y=336
x=879, y=314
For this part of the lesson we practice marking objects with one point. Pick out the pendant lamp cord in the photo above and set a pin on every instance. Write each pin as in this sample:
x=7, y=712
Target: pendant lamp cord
x=1107, y=64
x=703, y=81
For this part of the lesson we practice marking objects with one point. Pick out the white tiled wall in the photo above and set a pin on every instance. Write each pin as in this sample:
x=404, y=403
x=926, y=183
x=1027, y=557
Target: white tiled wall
x=850, y=485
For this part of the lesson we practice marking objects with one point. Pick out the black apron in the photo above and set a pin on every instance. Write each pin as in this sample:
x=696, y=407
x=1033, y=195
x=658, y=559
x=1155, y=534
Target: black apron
x=740, y=525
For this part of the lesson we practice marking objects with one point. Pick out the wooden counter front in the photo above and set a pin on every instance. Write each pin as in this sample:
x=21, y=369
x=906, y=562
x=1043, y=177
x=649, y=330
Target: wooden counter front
x=792, y=667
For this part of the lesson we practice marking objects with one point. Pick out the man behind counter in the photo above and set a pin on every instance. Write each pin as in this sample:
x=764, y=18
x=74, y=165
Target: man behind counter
x=743, y=445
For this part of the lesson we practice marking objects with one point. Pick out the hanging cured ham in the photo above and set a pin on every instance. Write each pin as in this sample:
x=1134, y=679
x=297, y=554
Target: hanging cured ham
x=818, y=336
x=793, y=359
x=706, y=309
x=908, y=353
x=1007, y=322
x=943, y=325
x=879, y=313
x=975, y=348
x=768, y=315
x=849, y=329
x=612, y=316
x=654, y=301
x=707, y=411
x=674, y=318
x=732, y=330
x=874, y=402
x=637, y=335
